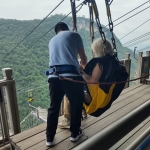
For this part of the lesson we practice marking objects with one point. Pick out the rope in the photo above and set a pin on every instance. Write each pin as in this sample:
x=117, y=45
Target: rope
x=102, y=83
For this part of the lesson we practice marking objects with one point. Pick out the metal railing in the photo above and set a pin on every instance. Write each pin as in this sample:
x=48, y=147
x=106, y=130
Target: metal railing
x=116, y=130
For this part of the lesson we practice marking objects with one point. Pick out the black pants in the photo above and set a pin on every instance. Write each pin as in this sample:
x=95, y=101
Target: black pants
x=74, y=91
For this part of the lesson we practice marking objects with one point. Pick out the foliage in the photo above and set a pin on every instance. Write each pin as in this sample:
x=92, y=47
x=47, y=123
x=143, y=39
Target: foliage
x=29, y=61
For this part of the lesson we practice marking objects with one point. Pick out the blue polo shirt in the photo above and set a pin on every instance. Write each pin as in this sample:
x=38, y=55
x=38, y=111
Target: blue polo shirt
x=63, y=49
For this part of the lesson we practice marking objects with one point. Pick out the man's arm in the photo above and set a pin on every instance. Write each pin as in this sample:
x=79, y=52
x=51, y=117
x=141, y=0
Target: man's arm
x=82, y=57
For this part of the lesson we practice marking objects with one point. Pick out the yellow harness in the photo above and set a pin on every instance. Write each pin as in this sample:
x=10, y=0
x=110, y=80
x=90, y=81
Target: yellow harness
x=99, y=98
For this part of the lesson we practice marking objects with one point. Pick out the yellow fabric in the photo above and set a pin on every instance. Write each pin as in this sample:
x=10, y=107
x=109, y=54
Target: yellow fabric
x=99, y=98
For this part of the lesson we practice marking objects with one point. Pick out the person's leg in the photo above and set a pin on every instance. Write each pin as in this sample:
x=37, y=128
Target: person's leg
x=67, y=110
x=56, y=96
x=75, y=94
x=65, y=123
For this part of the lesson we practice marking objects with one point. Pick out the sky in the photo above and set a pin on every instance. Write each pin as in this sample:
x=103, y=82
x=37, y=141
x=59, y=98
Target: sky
x=38, y=9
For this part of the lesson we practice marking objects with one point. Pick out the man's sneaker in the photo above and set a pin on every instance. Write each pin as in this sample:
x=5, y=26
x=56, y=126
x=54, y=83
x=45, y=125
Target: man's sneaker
x=75, y=138
x=64, y=124
x=49, y=142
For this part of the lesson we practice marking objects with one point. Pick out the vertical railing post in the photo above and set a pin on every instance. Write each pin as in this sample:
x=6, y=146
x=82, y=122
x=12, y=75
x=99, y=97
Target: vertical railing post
x=4, y=123
x=139, y=67
x=127, y=64
x=148, y=54
x=11, y=100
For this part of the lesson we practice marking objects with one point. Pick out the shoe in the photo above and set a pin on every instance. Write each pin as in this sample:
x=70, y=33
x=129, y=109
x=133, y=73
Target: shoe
x=64, y=124
x=49, y=142
x=75, y=138
x=84, y=114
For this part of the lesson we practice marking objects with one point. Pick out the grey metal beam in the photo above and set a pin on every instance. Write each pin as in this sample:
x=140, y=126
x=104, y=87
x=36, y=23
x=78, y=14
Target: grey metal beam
x=139, y=140
x=111, y=134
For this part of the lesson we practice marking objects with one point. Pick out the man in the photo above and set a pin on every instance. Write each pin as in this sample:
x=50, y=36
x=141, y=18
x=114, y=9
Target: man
x=63, y=51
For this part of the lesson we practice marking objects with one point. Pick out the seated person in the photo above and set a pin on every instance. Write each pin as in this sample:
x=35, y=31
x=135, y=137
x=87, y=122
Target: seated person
x=103, y=68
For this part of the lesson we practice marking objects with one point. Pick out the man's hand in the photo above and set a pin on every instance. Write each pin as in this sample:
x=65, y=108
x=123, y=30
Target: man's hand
x=83, y=57
x=81, y=68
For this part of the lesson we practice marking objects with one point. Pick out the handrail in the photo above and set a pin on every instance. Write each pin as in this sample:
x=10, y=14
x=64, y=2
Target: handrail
x=139, y=140
x=111, y=134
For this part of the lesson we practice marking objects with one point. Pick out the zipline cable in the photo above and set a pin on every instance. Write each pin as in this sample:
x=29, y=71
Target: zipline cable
x=31, y=31
x=128, y=18
x=134, y=29
x=95, y=32
x=139, y=42
x=135, y=39
x=125, y=15
x=143, y=49
x=115, y=25
x=110, y=3
x=130, y=11
x=34, y=43
x=132, y=16
x=81, y=4
x=63, y=19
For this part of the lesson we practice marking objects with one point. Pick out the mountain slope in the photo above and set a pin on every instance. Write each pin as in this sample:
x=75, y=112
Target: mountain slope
x=29, y=61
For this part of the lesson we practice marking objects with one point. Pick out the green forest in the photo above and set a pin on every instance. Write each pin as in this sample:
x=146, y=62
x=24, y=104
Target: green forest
x=30, y=59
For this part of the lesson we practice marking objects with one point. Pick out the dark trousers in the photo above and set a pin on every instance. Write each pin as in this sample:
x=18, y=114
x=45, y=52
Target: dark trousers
x=74, y=91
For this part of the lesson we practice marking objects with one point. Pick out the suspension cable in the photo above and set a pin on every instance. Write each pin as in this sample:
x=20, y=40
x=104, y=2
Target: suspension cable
x=132, y=15
x=131, y=11
x=126, y=19
x=74, y=17
x=110, y=25
x=134, y=29
x=139, y=42
x=102, y=34
x=91, y=27
x=127, y=14
x=110, y=3
x=135, y=39
x=32, y=31
x=80, y=6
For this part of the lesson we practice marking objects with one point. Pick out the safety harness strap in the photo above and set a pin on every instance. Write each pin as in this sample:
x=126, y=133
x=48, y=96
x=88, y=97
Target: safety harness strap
x=62, y=69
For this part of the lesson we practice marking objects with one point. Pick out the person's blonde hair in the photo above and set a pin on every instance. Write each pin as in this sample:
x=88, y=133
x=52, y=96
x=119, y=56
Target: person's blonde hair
x=98, y=48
